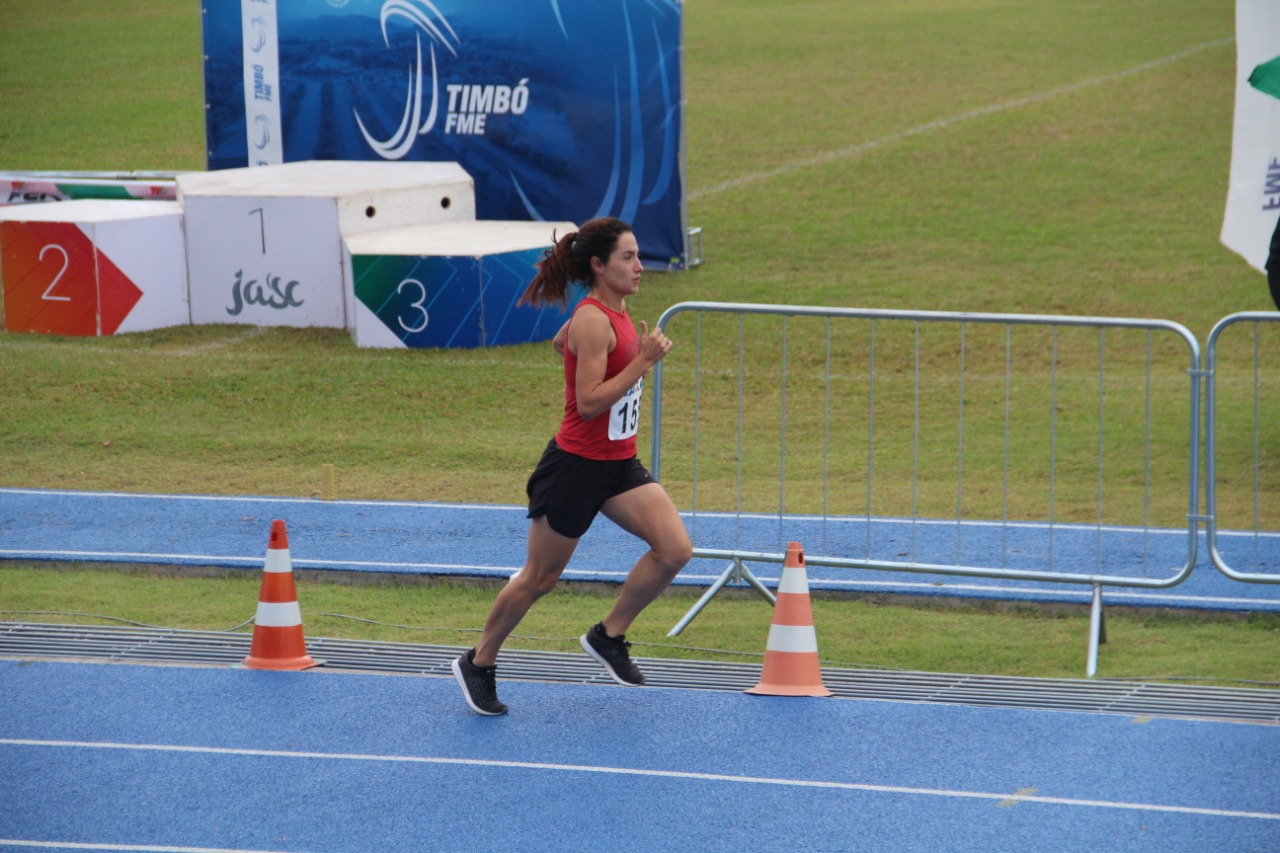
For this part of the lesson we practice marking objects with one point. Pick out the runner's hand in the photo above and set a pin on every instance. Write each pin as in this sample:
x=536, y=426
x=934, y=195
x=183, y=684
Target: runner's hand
x=653, y=345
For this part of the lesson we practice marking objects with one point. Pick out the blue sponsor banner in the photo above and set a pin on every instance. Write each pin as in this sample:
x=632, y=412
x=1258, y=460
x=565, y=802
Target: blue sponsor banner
x=558, y=109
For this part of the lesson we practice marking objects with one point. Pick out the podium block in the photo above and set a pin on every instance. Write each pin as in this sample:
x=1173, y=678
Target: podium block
x=264, y=244
x=450, y=284
x=93, y=267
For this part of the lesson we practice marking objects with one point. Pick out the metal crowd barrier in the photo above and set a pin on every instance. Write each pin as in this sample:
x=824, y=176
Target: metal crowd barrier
x=1018, y=447
x=1240, y=527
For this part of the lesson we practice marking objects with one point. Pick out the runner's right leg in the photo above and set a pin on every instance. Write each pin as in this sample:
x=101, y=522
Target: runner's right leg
x=548, y=554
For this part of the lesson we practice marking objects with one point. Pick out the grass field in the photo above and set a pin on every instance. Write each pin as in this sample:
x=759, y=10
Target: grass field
x=1008, y=156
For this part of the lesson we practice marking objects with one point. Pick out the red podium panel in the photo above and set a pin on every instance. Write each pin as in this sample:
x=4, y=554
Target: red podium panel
x=93, y=267
x=50, y=278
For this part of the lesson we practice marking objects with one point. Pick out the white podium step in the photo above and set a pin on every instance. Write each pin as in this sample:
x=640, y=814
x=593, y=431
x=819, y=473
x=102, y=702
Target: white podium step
x=264, y=244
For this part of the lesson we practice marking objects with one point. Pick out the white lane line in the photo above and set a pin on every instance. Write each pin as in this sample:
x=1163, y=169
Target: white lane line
x=642, y=772
x=940, y=124
x=143, y=848
x=218, y=559
x=248, y=499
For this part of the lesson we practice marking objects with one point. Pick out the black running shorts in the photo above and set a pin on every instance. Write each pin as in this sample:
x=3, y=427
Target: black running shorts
x=570, y=490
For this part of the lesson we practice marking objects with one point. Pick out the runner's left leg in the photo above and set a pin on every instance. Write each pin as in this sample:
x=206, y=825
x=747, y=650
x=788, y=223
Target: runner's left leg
x=647, y=512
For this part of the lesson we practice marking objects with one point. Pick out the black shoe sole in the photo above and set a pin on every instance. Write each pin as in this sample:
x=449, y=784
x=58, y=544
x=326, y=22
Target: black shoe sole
x=586, y=647
x=462, y=683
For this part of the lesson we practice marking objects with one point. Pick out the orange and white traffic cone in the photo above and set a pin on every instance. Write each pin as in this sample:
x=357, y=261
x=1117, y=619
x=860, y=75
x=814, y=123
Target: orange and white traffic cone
x=791, y=665
x=277, y=628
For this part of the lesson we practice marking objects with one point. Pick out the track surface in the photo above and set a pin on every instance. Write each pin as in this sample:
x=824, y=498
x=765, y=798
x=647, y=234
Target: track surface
x=160, y=758
x=488, y=541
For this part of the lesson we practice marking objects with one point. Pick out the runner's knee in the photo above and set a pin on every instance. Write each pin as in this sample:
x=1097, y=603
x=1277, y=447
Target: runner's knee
x=673, y=554
x=535, y=584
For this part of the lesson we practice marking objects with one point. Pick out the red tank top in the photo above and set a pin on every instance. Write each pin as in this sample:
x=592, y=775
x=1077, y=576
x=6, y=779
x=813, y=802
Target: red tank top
x=610, y=434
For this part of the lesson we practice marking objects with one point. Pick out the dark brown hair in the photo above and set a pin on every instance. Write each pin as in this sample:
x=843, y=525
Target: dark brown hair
x=568, y=261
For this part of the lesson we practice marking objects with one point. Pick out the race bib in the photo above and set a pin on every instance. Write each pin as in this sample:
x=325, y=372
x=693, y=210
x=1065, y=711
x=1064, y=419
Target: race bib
x=624, y=417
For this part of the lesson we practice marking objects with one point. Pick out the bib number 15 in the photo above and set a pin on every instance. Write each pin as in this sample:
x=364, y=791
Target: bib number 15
x=624, y=417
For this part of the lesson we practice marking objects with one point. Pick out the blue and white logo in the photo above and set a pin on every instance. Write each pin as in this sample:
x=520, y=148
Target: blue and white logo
x=427, y=19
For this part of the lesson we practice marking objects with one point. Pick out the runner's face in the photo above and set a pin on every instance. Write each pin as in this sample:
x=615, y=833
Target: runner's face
x=621, y=274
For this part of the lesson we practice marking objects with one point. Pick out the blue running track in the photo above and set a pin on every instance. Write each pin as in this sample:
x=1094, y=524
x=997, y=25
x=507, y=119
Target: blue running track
x=162, y=758
x=489, y=541
x=188, y=759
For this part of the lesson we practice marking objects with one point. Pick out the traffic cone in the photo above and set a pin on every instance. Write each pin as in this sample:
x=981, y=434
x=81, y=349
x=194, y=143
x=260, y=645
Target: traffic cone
x=791, y=665
x=277, y=628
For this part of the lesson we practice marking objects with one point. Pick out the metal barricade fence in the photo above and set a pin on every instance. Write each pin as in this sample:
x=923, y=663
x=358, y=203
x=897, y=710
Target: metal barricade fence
x=1021, y=447
x=1241, y=434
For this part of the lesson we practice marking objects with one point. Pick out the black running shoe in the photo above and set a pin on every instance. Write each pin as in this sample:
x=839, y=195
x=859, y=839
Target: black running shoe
x=612, y=652
x=478, y=685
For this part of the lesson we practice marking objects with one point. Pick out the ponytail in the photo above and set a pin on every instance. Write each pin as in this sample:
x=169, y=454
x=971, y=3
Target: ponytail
x=568, y=261
x=555, y=274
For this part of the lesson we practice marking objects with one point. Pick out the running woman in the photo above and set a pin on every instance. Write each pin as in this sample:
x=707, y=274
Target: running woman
x=590, y=466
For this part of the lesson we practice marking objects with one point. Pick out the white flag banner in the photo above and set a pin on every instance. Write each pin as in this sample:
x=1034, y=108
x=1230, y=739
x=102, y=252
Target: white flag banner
x=1253, y=195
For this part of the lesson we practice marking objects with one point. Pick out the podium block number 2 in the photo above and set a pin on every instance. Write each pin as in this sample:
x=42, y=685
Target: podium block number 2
x=49, y=278
x=56, y=282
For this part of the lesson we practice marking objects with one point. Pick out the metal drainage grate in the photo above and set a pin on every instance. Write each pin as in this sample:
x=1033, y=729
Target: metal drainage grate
x=20, y=640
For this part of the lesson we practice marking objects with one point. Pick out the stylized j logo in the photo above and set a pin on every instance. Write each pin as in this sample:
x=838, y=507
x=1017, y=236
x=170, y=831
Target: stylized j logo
x=424, y=15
